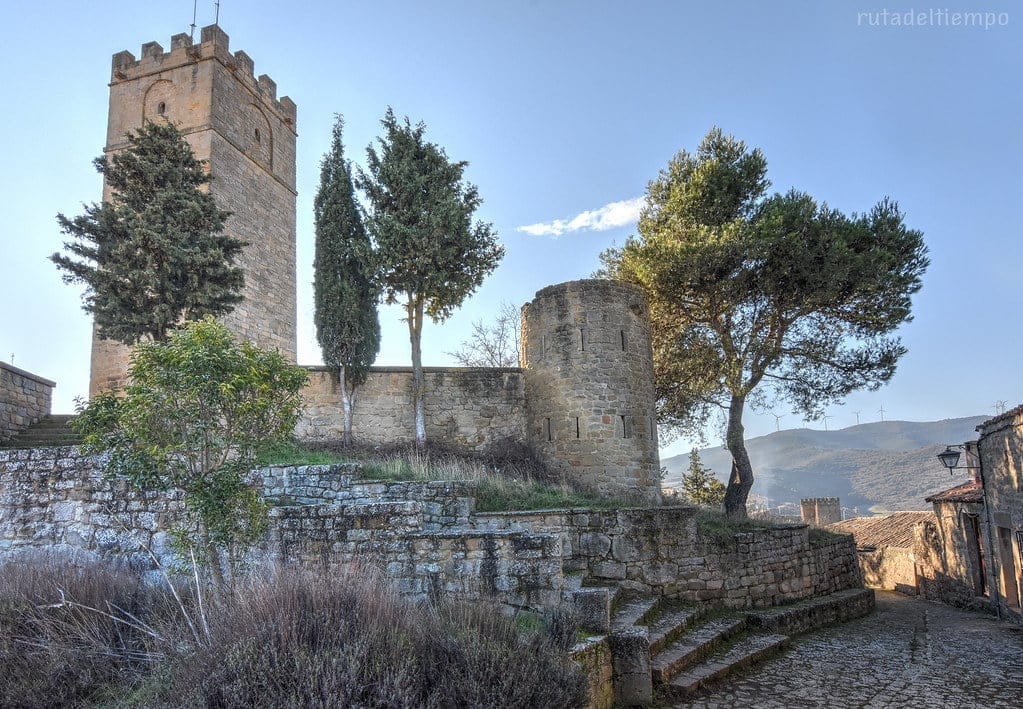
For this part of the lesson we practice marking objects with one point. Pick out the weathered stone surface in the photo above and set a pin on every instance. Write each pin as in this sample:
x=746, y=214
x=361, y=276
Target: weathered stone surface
x=247, y=136
x=24, y=399
x=589, y=385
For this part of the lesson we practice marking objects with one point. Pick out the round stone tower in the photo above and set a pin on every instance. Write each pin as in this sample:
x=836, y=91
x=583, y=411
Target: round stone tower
x=589, y=380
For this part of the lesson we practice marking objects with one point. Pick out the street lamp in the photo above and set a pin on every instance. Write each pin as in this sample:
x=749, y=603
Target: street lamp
x=950, y=457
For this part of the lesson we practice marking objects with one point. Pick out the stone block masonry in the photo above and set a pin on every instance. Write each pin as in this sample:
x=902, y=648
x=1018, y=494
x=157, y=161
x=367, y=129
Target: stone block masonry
x=471, y=408
x=236, y=123
x=426, y=537
x=25, y=398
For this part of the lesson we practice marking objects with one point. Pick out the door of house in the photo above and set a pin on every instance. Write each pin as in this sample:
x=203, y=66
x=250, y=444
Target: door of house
x=975, y=554
x=1010, y=586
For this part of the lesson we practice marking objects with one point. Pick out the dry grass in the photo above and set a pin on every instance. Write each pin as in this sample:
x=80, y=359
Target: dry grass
x=284, y=638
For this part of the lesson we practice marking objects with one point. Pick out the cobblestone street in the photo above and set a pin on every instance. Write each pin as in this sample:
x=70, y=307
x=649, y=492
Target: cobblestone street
x=909, y=653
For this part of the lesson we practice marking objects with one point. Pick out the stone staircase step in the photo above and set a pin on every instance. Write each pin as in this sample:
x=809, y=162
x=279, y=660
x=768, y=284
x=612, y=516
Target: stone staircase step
x=693, y=647
x=815, y=612
x=745, y=652
x=633, y=611
x=51, y=431
x=670, y=625
x=591, y=606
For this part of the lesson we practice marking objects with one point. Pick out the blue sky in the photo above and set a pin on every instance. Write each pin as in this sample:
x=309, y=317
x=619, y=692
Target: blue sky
x=563, y=108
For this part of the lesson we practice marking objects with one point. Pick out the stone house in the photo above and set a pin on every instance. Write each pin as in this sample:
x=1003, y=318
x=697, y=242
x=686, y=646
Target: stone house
x=888, y=548
x=981, y=521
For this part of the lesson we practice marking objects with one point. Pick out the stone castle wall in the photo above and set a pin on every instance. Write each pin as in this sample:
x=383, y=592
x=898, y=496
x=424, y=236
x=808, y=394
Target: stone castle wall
x=473, y=408
x=426, y=537
x=236, y=123
x=590, y=385
x=24, y=399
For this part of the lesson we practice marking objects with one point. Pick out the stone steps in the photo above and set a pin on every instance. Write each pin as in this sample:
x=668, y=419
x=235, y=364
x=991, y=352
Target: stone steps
x=51, y=431
x=738, y=656
x=634, y=610
x=815, y=612
x=693, y=646
x=670, y=624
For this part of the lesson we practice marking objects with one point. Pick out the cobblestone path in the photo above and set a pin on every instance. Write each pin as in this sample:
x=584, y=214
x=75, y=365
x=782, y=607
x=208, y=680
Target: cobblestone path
x=909, y=653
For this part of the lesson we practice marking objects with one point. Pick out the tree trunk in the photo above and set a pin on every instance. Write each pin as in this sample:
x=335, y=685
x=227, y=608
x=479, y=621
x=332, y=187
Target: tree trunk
x=741, y=480
x=415, y=329
x=347, y=406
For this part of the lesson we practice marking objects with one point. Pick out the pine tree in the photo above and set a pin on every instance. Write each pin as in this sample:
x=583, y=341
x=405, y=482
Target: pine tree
x=432, y=255
x=347, y=325
x=155, y=254
x=700, y=485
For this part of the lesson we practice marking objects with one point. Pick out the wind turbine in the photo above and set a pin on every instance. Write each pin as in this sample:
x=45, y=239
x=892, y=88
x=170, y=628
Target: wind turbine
x=857, y=417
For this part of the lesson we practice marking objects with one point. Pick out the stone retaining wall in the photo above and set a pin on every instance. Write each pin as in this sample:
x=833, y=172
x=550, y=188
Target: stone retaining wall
x=426, y=538
x=659, y=550
x=471, y=408
x=24, y=399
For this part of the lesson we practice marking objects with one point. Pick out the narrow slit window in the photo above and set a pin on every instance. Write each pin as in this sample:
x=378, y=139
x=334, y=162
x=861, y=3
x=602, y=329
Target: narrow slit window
x=161, y=108
x=548, y=430
x=582, y=339
x=621, y=333
x=259, y=138
x=543, y=344
x=577, y=427
x=626, y=427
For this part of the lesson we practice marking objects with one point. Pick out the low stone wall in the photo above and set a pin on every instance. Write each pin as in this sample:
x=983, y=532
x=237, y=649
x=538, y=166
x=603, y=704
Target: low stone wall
x=472, y=408
x=426, y=537
x=24, y=399
x=56, y=499
x=594, y=659
x=659, y=550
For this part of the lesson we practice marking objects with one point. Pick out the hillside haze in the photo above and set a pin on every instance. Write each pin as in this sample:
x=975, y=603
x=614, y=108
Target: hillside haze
x=888, y=465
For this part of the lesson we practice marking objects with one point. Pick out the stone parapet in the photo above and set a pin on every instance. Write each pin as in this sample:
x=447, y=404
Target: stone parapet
x=25, y=398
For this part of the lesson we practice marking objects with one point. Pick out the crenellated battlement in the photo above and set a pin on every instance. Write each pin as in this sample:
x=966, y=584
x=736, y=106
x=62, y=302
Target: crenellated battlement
x=214, y=44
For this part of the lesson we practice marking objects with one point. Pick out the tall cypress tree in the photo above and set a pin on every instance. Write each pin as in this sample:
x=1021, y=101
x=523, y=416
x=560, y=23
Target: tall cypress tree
x=432, y=254
x=347, y=325
x=155, y=254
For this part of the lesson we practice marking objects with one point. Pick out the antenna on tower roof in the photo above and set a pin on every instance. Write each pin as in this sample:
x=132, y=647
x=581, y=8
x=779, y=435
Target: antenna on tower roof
x=191, y=33
x=216, y=17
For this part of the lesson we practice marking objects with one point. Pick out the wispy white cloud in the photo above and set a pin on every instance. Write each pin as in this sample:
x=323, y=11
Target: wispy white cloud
x=610, y=216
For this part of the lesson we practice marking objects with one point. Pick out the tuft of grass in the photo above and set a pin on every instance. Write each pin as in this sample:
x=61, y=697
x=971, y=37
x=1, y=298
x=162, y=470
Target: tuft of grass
x=715, y=527
x=292, y=453
x=820, y=537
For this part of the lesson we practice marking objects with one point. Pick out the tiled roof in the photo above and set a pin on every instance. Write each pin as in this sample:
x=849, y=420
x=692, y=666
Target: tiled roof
x=967, y=492
x=1011, y=413
x=892, y=530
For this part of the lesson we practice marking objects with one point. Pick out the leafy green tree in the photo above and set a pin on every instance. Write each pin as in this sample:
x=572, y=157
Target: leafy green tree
x=155, y=253
x=194, y=416
x=347, y=325
x=430, y=253
x=700, y=485
x=755, y=297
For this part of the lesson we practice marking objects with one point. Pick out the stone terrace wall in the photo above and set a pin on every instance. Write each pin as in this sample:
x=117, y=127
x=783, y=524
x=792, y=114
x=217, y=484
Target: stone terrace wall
x=466, y=407
x=55, y=499
x=659, y=550
x=426, y=538
x=24, y=399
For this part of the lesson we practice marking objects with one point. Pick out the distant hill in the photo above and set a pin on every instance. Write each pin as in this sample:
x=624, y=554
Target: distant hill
x=888, y=465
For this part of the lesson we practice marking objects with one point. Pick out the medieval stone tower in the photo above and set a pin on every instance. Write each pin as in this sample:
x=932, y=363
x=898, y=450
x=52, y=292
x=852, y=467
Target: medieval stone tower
x=236, y=123
x=589, y=384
